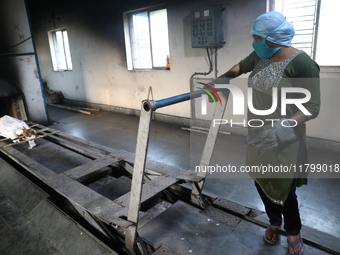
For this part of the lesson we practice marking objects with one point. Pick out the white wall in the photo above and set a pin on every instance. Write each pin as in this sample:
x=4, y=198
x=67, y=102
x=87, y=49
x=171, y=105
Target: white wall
x=327, y=125
x=17, y=57
x=98, y=54
x=100, y=73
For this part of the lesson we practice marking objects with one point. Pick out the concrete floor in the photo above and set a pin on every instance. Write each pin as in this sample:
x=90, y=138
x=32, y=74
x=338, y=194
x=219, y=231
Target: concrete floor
x=169, y=143
x=30, y=224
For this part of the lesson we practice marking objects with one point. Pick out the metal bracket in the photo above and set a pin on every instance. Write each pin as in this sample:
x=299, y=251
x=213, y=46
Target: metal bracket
x=196, y=195
x=137, y=178
x=148, y=107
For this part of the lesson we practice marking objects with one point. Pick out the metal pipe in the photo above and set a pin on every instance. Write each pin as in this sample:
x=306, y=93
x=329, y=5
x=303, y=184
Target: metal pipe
x=210, y=67
x=154, y=105
x=216, y=71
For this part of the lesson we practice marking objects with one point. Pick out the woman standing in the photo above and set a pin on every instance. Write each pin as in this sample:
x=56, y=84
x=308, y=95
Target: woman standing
x=279, y=140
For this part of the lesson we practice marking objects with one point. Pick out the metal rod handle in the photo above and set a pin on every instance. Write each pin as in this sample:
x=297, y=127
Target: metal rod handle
x=154, y=105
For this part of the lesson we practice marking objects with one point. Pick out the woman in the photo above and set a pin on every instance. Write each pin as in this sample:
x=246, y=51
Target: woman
x=276, y=64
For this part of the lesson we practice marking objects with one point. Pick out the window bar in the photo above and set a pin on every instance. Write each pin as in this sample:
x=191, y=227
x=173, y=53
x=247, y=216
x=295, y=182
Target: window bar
x=297, y=2
x=316, y=28
x=298, y=7
x=311, y=17
x=287, y=7
x=301, y=1
x=64, y=51
x=57, y=49
x=150, y=39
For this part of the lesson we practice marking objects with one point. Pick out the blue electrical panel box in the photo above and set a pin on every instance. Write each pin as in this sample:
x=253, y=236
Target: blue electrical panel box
x=206, y=27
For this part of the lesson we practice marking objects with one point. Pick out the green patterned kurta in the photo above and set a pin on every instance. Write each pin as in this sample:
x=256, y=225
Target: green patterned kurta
x=301, y=71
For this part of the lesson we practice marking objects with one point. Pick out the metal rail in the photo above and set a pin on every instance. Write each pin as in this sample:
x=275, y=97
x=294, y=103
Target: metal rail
x=109, y=216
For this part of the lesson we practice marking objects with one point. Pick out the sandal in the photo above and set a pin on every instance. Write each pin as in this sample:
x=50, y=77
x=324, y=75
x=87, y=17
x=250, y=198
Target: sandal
x=273, y=233
x=292, y=244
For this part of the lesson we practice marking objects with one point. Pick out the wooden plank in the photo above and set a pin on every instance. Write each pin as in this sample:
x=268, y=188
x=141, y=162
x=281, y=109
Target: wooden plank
x=20, y=136
x=31, y=139
x=41, y=130
x=203, y=130
x=207, y=129
x=96, y=148
x=88, y=109
x=34, y=125
x=70, y=108
x=90, y=167
x=5, y=139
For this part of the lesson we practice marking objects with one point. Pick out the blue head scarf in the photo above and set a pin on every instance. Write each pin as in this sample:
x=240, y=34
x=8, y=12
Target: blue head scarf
x=274, y=27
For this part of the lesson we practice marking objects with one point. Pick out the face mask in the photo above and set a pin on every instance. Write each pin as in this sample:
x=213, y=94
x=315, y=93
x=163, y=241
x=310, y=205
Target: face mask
x=263, y=50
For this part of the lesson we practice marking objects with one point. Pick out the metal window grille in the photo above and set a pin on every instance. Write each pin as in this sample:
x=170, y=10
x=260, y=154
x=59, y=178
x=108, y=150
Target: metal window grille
x=60, y=50
x=149, y=39
x=303, y=15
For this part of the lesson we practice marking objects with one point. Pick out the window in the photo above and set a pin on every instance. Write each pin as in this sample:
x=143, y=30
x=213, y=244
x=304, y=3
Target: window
x=327, y=35
x=60, y=50
x=313, y=21
x=146, y=39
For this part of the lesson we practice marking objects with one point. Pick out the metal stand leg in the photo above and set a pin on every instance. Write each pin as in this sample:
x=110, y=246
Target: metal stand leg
x=148, y=107
x=196, y=195
x=137, y=179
